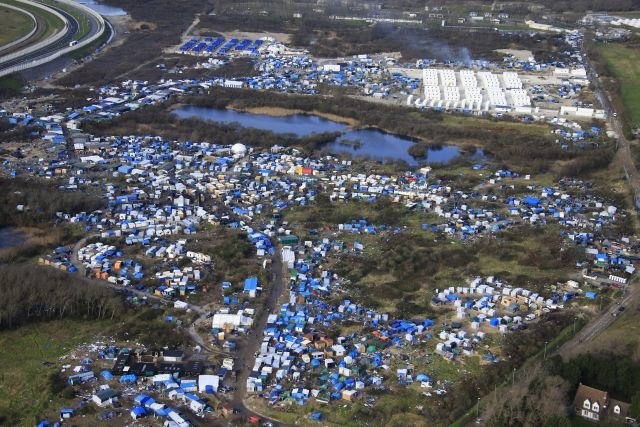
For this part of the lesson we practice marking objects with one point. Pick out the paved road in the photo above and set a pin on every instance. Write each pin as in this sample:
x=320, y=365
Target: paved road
x=35, y=34
x=599, y=323
x=49, y=49
x=62, y=43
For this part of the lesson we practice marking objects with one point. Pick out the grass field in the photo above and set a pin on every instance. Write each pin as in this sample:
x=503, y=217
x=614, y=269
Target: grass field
x=624, y=62
x=25, y=393
x=628, y=14
x=52, y=22
x=11, y=84
x=622, y=336
x=14, y=25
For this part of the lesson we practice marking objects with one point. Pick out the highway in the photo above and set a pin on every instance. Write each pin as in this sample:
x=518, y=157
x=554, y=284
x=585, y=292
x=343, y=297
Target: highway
x=35, y=32
x=72, y=28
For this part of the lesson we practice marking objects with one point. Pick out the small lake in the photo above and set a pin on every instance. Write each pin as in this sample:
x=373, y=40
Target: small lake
x=10, y=238
x=297, y=124
x=382, y=146
x=102, y=9
x=370, y=143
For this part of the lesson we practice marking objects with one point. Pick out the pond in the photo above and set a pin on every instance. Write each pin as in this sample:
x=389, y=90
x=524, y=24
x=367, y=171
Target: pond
x=382, y=146
x=370, y=143
x=11, y=238
x=102, y=9
x=297, y=124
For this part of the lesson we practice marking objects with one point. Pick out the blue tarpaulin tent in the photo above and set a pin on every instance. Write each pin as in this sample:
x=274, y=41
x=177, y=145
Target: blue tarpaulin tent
x=138, y=411
x=250, y=284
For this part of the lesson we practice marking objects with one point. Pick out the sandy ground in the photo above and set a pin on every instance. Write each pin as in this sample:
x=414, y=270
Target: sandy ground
x=204, y=32
x=521, y=55
x=280, y=112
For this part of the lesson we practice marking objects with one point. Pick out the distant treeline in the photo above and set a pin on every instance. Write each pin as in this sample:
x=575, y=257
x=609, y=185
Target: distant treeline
x=41, y=200
x=38, y=293
x=330, y=38
x=508, y=5
x=326, y=37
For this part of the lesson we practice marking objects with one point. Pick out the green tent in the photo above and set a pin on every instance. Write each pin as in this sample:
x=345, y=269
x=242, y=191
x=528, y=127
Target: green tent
x=289, y=239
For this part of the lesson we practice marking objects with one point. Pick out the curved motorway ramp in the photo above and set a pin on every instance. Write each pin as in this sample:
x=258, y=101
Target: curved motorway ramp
x=38, y=52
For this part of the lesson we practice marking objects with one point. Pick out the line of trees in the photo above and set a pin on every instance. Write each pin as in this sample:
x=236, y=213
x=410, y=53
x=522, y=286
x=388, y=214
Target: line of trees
x=588, y=5
x=618, y=375
x=32, y=293
x=326, y=37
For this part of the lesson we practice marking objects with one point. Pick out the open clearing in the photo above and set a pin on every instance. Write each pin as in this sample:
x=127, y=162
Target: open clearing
x=14, y=25
x=624, y=62
x=25, y=392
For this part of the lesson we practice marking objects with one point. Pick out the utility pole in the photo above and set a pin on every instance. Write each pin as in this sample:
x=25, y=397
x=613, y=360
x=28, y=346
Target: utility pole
x=545, y=348
x=513, y=377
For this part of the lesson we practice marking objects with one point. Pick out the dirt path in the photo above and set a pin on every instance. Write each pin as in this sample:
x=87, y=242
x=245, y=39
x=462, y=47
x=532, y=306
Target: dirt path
x=247, y=345
x=246, y=356
x=195, y=22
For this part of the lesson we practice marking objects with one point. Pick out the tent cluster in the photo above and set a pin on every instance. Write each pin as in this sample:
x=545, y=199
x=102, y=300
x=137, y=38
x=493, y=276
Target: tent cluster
x=297, y=351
